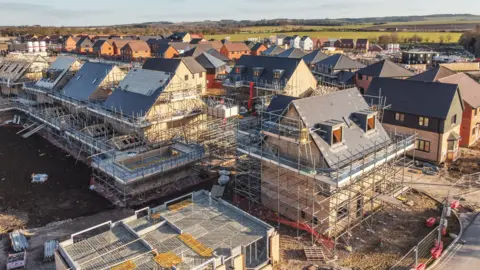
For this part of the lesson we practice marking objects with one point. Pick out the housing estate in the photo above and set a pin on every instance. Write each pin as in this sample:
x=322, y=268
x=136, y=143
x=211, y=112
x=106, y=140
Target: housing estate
x=235, y=50
x=337, y=70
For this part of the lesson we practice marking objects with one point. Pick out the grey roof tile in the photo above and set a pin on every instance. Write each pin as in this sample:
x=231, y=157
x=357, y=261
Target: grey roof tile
x=340, y=61
x=87, y=80
x=386, y=69
x=137, y=93
x=431, y=99
x=292, y=53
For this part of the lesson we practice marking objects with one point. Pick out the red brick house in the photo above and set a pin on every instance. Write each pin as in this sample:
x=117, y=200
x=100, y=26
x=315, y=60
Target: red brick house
x=135, y=50
x=235, y=50
x=345, y=43
x=362, y=44
x=257, y=49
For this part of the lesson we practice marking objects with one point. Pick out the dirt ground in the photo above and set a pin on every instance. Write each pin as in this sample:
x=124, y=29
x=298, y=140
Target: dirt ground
x=468, y=163
x=65, y=195
x=57, y=231
x=377, y=244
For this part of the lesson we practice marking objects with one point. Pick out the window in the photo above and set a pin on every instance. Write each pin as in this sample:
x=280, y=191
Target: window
x=315, y=220
x=193, y=76
x=186, y=77
x=337, y=135
x=342, y=212
x=475, y=111
x=360, y=76
x=201, y=75
x=474, y=131
x=370, y=123
x=454, y=119
x=422, y=145
x=400, y=117
x=423, y=121
x=256, y=72
x=302, y=214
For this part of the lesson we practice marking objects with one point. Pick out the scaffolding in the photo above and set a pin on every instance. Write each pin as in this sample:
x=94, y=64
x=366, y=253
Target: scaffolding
x=135, y=158
x=278, y=168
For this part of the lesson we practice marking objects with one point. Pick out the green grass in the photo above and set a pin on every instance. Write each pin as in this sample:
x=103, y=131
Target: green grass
x=432, y=36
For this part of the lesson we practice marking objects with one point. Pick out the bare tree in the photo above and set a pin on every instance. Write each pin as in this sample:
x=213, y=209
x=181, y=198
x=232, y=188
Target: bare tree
x=441, y=38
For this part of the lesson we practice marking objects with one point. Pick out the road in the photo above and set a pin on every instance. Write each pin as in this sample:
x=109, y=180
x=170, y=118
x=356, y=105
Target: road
x=466, y=256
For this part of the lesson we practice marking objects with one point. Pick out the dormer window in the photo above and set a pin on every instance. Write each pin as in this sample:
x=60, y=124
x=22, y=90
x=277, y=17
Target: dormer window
x=371, y=123
x=239, y=69
x=365, y=120
x=257, y=71
x=277, y=73
x=337, y=135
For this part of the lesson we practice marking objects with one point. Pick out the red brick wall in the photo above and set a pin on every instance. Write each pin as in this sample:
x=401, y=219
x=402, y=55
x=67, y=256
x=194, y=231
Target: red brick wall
x=469, y=126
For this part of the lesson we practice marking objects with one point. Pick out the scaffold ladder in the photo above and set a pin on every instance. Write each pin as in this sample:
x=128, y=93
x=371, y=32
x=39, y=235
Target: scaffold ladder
x=33, y=131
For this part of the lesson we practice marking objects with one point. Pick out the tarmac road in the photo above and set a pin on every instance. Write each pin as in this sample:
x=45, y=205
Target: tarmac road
x=466, y=256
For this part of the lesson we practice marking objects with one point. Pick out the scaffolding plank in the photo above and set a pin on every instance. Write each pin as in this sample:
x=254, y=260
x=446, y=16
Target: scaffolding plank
x=128, y=265
x=195, y=245
x=179, y=205
x=167, y=260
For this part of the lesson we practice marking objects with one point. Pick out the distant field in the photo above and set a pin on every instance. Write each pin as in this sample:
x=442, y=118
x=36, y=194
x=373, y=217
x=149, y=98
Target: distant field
x=432, y=36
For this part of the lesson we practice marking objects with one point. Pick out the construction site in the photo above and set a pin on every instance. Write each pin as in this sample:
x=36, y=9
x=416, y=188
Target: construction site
x=134, y=157
x=283, y=167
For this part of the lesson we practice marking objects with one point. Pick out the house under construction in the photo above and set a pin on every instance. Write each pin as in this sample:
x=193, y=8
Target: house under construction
x=194, y=231
x=324, y=162
x=146, y=134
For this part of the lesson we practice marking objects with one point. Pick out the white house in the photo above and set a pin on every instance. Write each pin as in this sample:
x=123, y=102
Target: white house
x=280, y=39
x=306, y=43
x=295, y=42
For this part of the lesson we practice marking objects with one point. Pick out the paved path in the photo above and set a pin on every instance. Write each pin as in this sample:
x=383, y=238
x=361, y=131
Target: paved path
x=466, y=256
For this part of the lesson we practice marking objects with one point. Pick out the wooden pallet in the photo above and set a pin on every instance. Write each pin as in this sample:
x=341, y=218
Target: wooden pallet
x=314, y=254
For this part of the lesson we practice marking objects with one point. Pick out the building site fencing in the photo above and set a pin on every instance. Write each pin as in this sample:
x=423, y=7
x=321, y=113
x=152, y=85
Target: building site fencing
x=419, y=254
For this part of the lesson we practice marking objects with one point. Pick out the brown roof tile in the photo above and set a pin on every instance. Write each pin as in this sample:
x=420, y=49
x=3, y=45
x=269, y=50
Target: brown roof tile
x=236, y=47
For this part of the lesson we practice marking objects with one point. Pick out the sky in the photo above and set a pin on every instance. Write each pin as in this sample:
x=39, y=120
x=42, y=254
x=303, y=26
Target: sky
x=109, y=12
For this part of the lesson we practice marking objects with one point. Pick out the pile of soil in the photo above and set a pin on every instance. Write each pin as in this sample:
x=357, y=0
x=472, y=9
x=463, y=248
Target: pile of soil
x=64, y=195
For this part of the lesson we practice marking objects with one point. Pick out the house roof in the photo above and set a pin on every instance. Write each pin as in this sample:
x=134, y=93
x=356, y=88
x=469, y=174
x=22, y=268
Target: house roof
x=138, y=45
x=236, y=47
x=304, y=38
x=431, y=99
x=87, y=80
x=193, y=65
x=137, y=92
x=63, y=62
x=98, y=44
x=196, y=40
x=362, y=41
x=272, y=51
x=469, y=88
x=178, y=36
x=257, y=46
x=292, y=53
x=171, y=65
x=120, y=43
x=433, y=74
x=218, y=55
x=155, y=41
x=162, y=48
x=209, y=61
x=181, y=46
x=346, y=41
x=145, y=38
x=83, y=41
x=249, y=43
x=269, y=64
x=339, y=107
x=216, y=44
x=194, y=52
x=385, y=68
x=314, y=57
x=277, y=106
x=340, y=61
